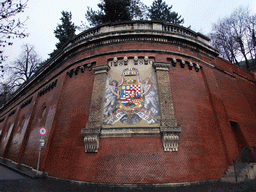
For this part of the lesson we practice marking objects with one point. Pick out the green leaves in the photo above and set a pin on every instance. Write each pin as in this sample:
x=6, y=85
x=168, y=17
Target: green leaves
x=160, y=11
x=115, y=11
x=64, y=31
x=127, y=10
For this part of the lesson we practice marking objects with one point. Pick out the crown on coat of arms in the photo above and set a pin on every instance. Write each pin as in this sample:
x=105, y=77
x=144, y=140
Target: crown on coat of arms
x=130, y=72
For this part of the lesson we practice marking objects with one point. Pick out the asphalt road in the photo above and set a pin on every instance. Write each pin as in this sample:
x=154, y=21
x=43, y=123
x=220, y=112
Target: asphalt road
x=11, y=181
x=7, y=174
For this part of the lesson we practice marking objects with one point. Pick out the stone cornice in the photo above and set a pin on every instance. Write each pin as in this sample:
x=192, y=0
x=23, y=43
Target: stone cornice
x=169, y=37
x=101, y=69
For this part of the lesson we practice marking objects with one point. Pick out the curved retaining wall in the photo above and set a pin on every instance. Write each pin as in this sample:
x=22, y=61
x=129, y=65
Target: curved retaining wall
x=199, y=99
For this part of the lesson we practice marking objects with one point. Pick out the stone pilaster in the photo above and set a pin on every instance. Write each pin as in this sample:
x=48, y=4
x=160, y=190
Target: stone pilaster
x=93, y=127
x=168, y=125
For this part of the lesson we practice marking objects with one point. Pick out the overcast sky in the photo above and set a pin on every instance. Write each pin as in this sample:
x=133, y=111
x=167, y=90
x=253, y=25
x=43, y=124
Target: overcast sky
x=44, y=15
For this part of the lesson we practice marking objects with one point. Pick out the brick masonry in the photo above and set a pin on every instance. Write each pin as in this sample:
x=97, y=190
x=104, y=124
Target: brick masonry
x=198, y=103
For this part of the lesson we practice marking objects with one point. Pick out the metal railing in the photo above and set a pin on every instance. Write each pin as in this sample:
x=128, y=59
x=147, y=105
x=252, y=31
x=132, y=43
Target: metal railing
x=245, y=157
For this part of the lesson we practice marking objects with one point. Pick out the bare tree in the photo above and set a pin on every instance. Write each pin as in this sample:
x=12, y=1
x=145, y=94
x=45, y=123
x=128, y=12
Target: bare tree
x=10, y=26
x=24, y=66
x=252, y=36
x=234, y=37
x=224, y=42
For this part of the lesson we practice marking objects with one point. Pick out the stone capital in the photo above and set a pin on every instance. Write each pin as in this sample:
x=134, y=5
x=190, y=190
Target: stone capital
x=91, y=140
x=170, y=137
x=161, y=66
x=170, y=141
x=101, y=69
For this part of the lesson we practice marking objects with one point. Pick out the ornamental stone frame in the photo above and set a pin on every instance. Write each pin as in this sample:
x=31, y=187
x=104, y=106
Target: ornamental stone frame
x=168, y=125
x=169, y=130
x=93, y=127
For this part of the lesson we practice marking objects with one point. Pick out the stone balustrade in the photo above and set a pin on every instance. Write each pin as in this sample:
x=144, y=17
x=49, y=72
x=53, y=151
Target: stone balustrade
x=141, y=25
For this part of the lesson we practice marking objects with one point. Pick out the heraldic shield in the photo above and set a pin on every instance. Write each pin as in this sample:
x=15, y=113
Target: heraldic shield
x=130, y=100
x=131, y=95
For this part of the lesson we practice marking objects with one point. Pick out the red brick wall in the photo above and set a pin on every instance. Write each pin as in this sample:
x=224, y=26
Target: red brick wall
x=131, y=160
x=72, y=115
x=238, y=95
x=204, y=102
x=48, y=101
x=6, y=136
x=19, y=131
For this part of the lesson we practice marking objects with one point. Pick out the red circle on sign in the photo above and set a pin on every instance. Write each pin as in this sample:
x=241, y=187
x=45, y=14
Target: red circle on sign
x=42, y=131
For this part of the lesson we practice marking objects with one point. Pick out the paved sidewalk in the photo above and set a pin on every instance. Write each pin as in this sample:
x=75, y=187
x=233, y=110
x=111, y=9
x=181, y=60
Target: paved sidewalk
x=11, y=181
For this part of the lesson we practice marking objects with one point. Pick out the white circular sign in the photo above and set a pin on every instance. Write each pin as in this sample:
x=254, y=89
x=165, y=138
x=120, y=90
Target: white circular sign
x=42, y=131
